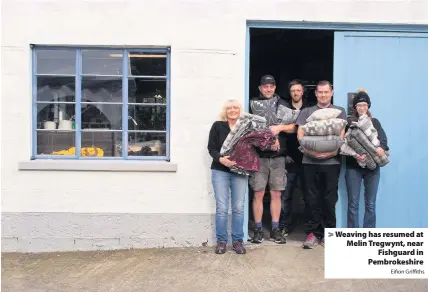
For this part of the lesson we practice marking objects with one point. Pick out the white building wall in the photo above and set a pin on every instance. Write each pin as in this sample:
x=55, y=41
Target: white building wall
x=88, y=210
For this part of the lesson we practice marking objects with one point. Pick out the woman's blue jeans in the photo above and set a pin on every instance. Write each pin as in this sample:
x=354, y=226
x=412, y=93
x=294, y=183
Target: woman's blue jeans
x=354, y=177
x=226, y=185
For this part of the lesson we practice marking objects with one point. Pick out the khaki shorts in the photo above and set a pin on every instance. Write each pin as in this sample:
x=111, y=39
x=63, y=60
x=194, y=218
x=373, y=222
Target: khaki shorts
x=272, y=171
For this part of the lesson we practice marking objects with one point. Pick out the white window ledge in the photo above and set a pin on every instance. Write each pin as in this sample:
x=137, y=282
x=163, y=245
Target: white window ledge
x=92, y=165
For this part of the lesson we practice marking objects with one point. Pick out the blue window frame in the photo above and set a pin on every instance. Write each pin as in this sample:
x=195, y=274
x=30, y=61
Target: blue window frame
x=101, y=103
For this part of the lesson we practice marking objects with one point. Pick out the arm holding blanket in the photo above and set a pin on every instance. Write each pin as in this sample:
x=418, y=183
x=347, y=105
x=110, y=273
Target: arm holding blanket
x=382, y=137
x=276, y=129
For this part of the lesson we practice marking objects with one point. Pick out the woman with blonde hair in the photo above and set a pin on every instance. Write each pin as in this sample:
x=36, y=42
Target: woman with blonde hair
x=226, y=183
x=355, y=174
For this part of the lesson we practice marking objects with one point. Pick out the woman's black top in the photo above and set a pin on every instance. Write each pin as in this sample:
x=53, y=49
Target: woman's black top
x=218, y=133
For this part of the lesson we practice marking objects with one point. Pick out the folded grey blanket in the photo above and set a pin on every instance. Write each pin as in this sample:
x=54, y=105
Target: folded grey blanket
x=368, y=162
x=321, y=144
x=286, y=115
x=324, y=127
x=247, y=123
x=368, y=145
x=365, y=124
x=345, y=149
x=266, y=108
x=273, y=112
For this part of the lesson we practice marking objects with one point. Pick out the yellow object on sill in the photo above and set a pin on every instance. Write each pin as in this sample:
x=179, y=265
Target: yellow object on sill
x=87, y=151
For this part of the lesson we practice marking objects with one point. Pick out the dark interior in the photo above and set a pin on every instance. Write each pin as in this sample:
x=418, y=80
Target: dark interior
x=289, y=54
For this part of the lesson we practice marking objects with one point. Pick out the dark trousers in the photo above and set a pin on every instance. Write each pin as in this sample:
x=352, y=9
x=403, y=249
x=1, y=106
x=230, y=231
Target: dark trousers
x=321, y=181
x=295, y=173
x=354, y=177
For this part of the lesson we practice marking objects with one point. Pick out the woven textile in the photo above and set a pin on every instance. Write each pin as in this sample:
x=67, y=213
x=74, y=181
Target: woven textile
x=247, y=123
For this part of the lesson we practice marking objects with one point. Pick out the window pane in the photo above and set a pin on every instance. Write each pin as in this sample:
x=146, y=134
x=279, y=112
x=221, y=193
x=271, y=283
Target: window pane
x=55, y=116
x=101, y=144
x=56, y=143
x=146, y=90
x=55, y=89
x=146, y=144
x=102, y=89
x=56, y=61
x=147, y=64
x=102, y=116
x=147, y=117
x=102, y=62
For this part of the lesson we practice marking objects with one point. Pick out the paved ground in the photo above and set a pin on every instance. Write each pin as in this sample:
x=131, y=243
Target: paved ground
x=266, y=267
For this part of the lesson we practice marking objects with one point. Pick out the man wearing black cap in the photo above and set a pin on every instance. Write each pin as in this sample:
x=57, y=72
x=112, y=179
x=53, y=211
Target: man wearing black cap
x=272, y=163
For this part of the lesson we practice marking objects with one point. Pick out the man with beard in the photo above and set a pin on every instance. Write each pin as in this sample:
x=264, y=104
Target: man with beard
x=293, y=161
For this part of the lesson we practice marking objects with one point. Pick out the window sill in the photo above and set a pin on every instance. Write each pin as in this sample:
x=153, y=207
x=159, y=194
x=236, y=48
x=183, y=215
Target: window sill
x=91, y=165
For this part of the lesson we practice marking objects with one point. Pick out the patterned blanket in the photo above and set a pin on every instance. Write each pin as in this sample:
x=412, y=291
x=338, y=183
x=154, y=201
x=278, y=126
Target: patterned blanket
x=245, y=155
x=365, y=124
x=286, y=115
x=273, y=112
x=368, y=145
x=362, y=134
x=346, y=149
x=324, y=127
x=368, y=161
x=266, y=108
x=247, y=123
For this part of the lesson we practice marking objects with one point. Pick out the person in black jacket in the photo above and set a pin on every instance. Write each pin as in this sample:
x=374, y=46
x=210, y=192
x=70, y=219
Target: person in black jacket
x=293, y=160
x=355, y=174
x=226, y=183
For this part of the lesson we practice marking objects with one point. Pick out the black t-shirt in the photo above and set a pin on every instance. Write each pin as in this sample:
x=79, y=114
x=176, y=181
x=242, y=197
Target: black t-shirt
x=292, y=141
x=282, y=137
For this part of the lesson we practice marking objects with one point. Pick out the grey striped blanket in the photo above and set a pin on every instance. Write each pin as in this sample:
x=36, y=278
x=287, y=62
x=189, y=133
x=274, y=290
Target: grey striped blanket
x=247, y=123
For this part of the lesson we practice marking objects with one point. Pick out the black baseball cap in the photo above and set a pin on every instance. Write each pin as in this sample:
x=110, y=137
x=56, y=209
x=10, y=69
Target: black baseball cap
x=267, y=79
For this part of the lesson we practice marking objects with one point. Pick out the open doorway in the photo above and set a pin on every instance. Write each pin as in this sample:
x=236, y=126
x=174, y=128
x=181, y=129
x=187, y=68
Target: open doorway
x=289, y=54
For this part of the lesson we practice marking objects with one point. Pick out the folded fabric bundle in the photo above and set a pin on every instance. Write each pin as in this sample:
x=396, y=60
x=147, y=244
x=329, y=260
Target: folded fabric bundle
x=245, y=155
x=286, y=115
x=345, y=149
x=245, y=124
x=368, y=145
x=324, y=114
x=266, y=108
x=275, y=113
x=368, y=161
x=333, y=126
x=365, y=124
x=321, y=144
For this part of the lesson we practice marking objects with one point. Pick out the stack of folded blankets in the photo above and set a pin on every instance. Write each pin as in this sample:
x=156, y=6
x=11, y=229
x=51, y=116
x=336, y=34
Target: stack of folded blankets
x=362, y=139
x=252, y=131
x=322, y=134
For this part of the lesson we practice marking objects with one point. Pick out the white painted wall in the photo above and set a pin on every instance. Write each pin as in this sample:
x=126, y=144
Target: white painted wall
x=208, y=61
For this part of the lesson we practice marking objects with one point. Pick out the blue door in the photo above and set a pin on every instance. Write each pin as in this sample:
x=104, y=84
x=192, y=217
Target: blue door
x=393, y=68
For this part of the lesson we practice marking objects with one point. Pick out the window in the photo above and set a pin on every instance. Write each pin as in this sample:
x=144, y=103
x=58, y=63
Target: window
x=100, y=103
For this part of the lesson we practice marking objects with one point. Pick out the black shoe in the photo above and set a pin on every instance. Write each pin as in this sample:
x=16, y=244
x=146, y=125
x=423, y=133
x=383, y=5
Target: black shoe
x=221, y=248
x=258, y=236
x=239, y=248
x=277, y=236
x=285, y=231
